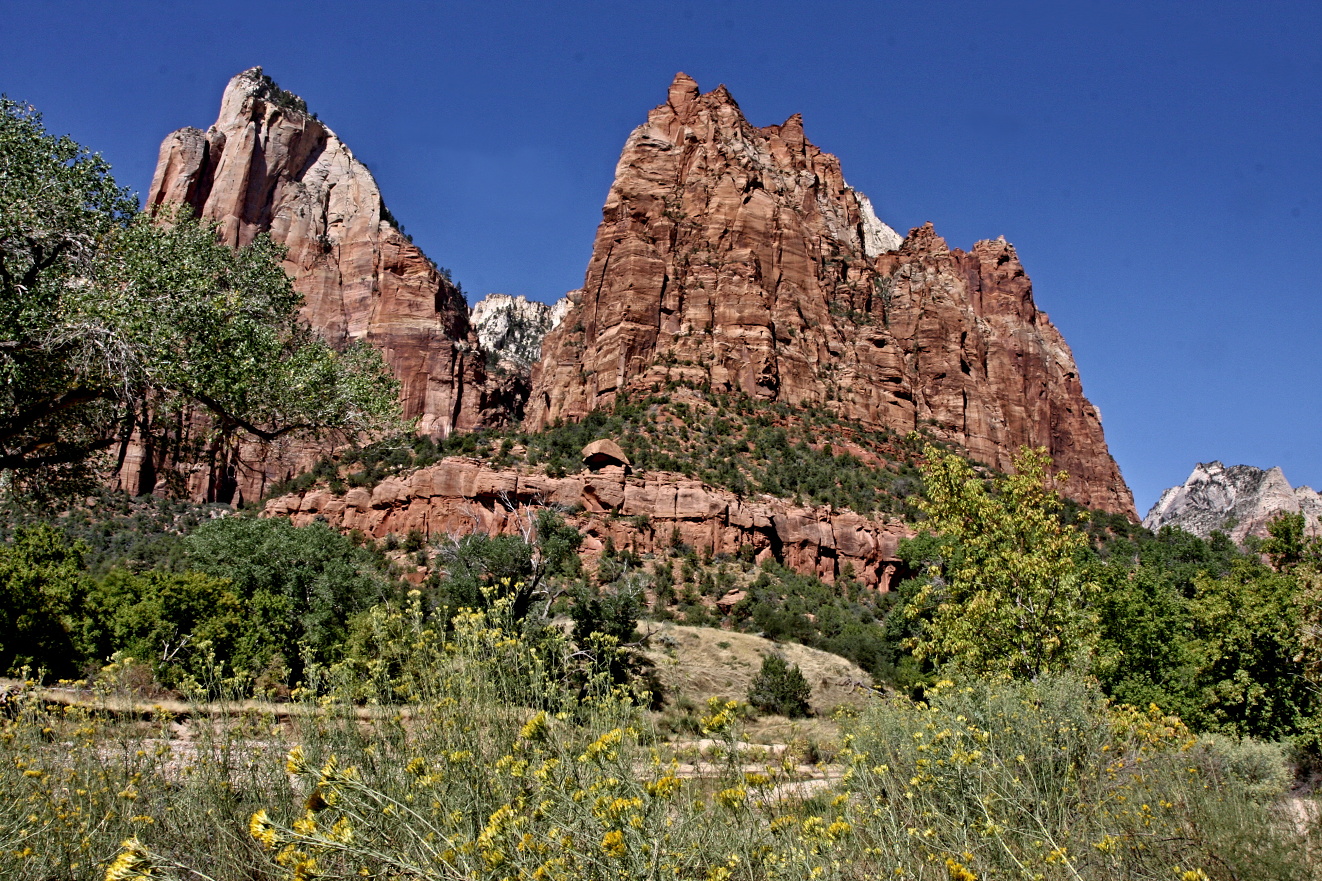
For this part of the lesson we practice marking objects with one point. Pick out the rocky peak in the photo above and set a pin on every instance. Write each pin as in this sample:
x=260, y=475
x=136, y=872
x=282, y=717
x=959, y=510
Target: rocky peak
x=924, y=241
x=512, y=328
x=737, y=258
x=267, y=165
x=1239, y=500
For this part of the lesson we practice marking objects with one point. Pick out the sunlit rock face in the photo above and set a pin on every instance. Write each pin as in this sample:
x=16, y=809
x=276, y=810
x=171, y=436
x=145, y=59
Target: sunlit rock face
x=738, y=258
x=512, y=328
x=1239, y=500
x=461, y=495
x=267, y=165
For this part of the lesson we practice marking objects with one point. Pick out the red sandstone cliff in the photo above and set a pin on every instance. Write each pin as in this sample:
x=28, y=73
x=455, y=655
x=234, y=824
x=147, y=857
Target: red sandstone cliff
x=738, y=256
x=459, y=496
x=269, y=166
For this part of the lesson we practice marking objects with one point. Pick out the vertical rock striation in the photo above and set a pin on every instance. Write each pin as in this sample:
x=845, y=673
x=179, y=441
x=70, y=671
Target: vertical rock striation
x=267, y=165
x=738, y=257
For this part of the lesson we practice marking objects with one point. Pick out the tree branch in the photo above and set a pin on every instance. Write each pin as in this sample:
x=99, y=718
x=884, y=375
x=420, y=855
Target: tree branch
x=238, y=421
x=25, y=461
x=22, y=422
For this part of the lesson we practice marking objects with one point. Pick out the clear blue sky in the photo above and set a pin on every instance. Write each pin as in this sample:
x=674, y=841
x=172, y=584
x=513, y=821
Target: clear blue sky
x=1158, y=165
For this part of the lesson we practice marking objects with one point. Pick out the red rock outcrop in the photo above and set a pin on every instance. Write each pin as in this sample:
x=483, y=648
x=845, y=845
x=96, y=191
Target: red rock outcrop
x=738, y=257
x=269, y=166
x=642, y=513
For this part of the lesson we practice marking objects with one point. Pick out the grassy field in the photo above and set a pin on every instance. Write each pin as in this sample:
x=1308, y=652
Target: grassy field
x=473, y=759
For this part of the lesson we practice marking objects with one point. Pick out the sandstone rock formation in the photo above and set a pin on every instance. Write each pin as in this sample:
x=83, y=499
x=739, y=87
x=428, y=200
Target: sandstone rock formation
x=512, y=328
x=268, y=166
x=643, y=513
x=737, y=257
x=604, y=453
x=1239, y=501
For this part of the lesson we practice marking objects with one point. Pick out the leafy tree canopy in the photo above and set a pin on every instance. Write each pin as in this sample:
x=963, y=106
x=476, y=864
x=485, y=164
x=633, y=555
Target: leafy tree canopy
x=1007, y=590
x=299, y=584
x=41, y=593
x=1288, y=545
x=110, y=320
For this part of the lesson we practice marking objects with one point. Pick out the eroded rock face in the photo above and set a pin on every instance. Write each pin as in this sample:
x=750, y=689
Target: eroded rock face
x=1239, y=501
x=512, y=328
x=738, y=257
x=643, y=513
x=268, y=166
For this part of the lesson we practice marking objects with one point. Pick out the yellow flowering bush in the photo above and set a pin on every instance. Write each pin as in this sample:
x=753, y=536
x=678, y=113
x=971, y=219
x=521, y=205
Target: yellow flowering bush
x=496, y=769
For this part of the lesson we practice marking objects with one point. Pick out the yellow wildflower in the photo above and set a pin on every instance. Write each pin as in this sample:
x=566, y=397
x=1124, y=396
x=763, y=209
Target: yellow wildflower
x=732, y=798
x=342, y=831
x=605, y=746
x=261, y=828
x=663, y=788
x=306, y=824
x=132, y=864
x=958, y=871
x=536, y=728
x=613, y=843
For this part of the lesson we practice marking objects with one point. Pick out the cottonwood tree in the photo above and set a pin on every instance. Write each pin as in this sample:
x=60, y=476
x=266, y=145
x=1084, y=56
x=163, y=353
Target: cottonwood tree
x=1007, y=589
x=112, y=323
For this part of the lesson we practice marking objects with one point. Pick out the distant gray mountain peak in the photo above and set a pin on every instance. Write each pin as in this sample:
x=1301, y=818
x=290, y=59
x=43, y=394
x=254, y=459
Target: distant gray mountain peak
x=1238, y=500
x=512, y=327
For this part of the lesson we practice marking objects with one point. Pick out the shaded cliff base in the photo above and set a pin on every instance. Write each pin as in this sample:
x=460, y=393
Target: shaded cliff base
x=720, y=474
x=648, y=514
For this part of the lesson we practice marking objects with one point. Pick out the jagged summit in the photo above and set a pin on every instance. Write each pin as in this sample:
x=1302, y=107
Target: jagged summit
x=738, y=258
x=268, y=165
x=1238, y=500
x=512, y=328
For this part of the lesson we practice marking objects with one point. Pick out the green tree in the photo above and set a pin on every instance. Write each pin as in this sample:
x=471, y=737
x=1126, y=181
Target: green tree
x=480, y=568
x=112, y=323
x=178, y=623
x=780, y=687
x=1246, y=630
x=299, y=585
x=1008, y=590
x=1287, y=544
x=42, y=588
x=1146, y=651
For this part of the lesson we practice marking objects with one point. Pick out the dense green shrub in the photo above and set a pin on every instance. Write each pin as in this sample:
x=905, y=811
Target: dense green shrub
x=310, y=577
x=42, y=589
x=184, y=624
x=779, y=687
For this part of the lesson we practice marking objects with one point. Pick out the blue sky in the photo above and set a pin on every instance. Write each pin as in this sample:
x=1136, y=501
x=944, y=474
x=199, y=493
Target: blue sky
x=1158, y=165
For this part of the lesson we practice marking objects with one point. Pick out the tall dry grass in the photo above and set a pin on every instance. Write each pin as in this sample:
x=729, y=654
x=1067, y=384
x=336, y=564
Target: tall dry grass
x=484, y=760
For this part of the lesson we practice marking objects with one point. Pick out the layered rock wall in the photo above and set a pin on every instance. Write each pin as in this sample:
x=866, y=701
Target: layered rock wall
x=269, y=166
x=644, y=513
x=738, y=258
